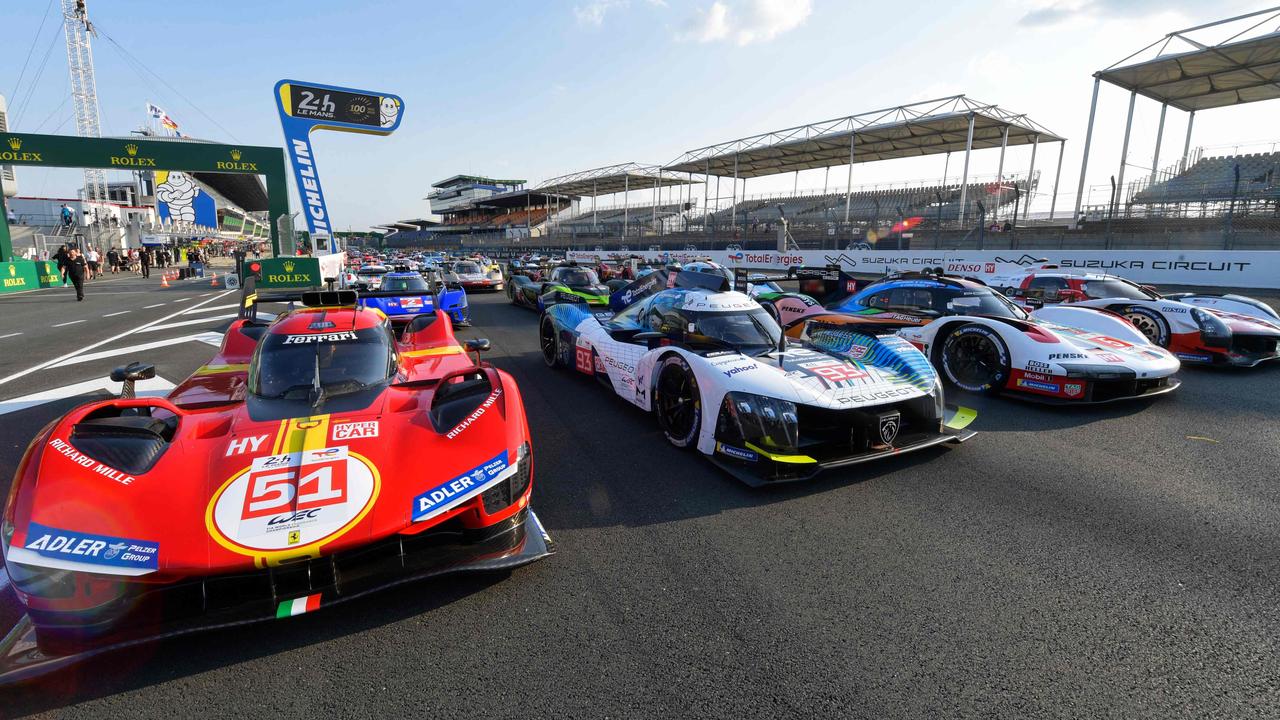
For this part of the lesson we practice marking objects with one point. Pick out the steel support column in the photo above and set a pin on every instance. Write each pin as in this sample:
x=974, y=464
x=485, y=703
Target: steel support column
x=1124, y=154
x=1186, y=146
x=733, y=218
x=1053, y=202
x=1155, y=159
x=964, y=177
x=626, y=194
x=1004, y=144
x=594, y=227
x=848, y=191
x=1088, y=140
x=1031, y=176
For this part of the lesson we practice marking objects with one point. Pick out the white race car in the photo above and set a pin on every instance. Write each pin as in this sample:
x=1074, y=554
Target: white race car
x=720, y=376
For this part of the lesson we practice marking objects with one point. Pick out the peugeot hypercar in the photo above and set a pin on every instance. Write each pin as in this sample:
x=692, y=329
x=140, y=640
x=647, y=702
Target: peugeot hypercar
x=982, y=342
x=316, y=458
x=1222, y=330
x=470, y=275
x=719, y=375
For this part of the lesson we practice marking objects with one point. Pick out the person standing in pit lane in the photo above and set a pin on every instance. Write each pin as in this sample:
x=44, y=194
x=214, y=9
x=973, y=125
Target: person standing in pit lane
x=94, y=260
x=144, y=261
x=76, y=269
x=113, y=259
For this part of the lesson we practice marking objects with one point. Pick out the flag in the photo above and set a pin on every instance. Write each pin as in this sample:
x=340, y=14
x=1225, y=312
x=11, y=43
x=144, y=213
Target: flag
x=155, y=111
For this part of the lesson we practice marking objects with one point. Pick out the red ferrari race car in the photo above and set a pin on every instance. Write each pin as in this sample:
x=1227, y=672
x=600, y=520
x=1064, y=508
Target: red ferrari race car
x=315, y=459
x=1199, y=328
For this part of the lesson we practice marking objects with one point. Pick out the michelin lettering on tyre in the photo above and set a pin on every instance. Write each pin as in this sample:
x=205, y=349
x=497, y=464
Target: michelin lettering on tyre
x=293, y=501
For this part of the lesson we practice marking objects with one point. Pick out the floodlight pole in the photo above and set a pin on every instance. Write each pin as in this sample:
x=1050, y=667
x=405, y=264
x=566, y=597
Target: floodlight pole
x=1186, y=146
x=706, y=187
x=964, y=180
x=1053, y=202
x=1088, y=140
x=848, y=192
x=1155, y=159
x=594, y=228
x=1004, y=143
x=1026, y=207
x=1124, y=153
x=626, y=192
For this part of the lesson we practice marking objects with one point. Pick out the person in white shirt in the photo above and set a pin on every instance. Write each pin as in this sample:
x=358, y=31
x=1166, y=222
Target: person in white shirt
x=95, y=262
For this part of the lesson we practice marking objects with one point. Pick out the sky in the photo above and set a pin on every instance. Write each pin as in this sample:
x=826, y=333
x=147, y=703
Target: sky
x=533, y=90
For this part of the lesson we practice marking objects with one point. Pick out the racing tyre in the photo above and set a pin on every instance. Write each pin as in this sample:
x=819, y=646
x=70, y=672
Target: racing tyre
x=1149, y=323
x=549, y=341
x=677, y=402
x=511, y=291
x=974, y=358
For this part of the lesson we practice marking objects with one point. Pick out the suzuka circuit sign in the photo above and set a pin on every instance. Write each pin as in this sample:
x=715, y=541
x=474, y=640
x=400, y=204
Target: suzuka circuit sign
x=311, y=106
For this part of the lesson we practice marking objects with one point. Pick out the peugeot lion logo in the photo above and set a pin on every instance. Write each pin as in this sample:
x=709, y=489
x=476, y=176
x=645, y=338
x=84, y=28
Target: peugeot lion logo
x=889, y=429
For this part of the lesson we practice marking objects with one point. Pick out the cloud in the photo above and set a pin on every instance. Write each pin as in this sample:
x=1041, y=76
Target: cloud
x=593, y=12
x=1057, y=12
x=745, y=22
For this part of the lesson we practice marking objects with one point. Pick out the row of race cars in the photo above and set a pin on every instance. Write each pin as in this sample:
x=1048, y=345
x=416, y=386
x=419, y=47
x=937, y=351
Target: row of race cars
x=288, y=473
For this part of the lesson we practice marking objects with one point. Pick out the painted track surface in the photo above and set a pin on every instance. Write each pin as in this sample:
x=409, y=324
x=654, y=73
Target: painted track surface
x=1112, y=562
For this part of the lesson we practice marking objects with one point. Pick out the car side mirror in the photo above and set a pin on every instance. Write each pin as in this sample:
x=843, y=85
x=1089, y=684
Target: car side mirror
x=477, y=346
x=130, y=374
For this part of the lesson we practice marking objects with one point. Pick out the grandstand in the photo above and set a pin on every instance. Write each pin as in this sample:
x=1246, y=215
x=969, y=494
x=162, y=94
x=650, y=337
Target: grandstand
x=480, y=210
x=1210, y=181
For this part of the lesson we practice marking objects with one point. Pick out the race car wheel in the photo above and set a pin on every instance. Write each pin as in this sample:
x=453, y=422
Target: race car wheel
x=678, y=403
x=549, y=339
x=511, y=291
x=1149, y=323
x=974, y=358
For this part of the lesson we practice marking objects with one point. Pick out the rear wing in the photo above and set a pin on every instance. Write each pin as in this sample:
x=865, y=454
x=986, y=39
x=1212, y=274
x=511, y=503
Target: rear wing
x=251, y=297
x=659, y=280
x=827, y=284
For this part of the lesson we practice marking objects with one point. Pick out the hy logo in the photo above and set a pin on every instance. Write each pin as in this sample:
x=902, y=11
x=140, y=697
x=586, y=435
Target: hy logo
x=131, y=149
x=288, y=266
x=15, y=143
x=235, y=155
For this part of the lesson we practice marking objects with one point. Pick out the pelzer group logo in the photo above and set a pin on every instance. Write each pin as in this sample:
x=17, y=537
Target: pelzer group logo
x=235, y=165
x=15, y=154
x=131, y=159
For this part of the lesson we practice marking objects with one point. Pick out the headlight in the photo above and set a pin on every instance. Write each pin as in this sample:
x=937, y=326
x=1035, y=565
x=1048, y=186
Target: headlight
x=1098, y=372
x=939, y=403
x=1213, y=331
x=766, y=422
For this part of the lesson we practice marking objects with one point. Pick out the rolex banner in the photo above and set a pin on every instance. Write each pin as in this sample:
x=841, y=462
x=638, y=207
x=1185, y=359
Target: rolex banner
x=287, y=272
x=18, y=276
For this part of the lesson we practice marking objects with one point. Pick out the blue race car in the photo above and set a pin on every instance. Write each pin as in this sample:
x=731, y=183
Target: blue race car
x=405, y=294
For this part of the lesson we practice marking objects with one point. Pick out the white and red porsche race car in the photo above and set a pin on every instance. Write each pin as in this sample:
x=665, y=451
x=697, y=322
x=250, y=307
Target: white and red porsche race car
x=1224, y=330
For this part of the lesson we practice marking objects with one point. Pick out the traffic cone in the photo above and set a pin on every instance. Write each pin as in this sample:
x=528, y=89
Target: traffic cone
x=164, y=280
x=214, y=282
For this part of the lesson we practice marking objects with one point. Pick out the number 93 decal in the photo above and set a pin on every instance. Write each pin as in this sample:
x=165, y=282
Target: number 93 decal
x=291, y=504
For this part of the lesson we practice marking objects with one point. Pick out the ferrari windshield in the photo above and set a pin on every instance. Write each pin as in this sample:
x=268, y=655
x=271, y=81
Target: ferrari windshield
x=405, y=283
x=1114, y=288
x=466, y=268
x=576, y=276
x=746, y=330
x=337, y=361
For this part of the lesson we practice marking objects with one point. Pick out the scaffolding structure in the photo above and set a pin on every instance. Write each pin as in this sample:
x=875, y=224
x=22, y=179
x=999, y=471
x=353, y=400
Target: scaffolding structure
x=84, y=88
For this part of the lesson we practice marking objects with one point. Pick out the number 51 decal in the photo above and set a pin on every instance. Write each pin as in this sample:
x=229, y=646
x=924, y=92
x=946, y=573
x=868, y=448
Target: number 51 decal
x=306, y=483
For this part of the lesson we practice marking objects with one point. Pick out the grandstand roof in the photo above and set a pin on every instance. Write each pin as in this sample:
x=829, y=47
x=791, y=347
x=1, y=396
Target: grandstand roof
x=614, y=179
x=924, y=128
x=518, y=198
x=475, y=178
x=1243, y=68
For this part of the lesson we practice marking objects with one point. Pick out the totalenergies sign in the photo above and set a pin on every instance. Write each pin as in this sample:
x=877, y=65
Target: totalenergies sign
x=311, y=106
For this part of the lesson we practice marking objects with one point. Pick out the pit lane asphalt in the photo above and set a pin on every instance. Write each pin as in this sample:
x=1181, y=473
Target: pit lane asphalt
x=1118, y=561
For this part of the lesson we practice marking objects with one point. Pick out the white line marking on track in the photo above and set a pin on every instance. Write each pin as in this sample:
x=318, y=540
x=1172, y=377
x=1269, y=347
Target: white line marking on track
x=73, y=322
x=211, y=308
x=197, y=321
x=10, y=335
x=181, y=300
x=148, y=307
x=122, y=312
x=131, y=349
x=100, y=343
x=152, y=387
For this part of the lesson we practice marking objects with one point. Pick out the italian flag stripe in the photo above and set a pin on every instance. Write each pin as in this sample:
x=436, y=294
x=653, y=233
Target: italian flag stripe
x=297, y=606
